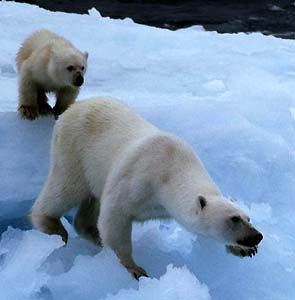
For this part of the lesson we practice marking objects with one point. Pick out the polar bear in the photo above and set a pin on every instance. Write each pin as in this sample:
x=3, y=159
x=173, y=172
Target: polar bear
x=47, y=62
x=118, y=168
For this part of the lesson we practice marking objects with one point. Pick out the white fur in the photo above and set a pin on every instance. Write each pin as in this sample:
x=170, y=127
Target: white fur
x=131, y=171
x=42, y=62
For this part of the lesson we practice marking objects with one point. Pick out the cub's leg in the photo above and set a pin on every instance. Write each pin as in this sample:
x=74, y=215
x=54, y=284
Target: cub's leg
x=43, y=107
x=64, y=98
x=86, y=219
x=27, y=105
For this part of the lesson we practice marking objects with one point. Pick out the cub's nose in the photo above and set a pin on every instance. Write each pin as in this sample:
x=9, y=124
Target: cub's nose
x=252, y=240
x=79, y=80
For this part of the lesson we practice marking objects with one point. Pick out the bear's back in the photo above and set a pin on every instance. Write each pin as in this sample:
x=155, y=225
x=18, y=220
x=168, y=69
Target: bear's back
x=102, y=123
x=93, y=135
x=97, y=116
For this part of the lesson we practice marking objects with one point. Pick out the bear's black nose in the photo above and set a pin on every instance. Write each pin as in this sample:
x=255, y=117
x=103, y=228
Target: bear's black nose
x=259, y=238
x=79, y=80
x=252, y=240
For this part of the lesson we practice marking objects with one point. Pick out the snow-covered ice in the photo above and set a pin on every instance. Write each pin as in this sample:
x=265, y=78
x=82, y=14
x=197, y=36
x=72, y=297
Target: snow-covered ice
x=230, y=96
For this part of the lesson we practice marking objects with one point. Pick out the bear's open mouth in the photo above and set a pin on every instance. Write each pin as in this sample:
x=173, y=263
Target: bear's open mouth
x=242, y=251
x=246, y=244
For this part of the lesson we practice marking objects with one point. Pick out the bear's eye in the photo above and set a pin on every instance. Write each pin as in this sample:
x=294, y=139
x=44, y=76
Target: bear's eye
x=235, y=219
x=70, y=68
x=82, y=68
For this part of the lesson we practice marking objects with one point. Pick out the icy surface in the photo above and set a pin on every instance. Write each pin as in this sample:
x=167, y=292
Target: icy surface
x=230, y=96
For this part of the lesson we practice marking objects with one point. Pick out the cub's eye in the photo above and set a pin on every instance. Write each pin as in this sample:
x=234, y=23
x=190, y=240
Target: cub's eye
x=203, y=201
x=70, y=68
x=82, y=68
x=235, y=219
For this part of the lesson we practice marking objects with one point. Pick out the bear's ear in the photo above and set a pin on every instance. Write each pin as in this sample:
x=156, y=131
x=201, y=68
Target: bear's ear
x=202, y=201
x=85, y=54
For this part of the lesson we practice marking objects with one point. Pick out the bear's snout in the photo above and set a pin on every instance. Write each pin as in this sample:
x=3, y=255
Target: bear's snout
x=251, y=241
x=79, y=80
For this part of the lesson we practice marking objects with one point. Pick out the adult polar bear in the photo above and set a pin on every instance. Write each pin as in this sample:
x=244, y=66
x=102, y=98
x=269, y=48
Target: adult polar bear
x=47, y=62
x=115, y=165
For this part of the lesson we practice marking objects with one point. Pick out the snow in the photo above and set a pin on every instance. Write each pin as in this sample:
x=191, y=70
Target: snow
x=230, y=96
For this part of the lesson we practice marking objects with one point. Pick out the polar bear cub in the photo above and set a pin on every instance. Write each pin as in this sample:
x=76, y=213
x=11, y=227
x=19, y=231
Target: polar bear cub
x=47, y=62
x=118, y=168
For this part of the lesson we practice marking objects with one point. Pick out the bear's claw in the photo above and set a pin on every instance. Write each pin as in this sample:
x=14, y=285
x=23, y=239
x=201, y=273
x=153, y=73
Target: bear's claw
x=242, y=252
x=137, y=272
x=253, y=251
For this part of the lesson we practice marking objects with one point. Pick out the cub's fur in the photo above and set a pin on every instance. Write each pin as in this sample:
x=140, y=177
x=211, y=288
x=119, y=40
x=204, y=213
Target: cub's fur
x=47, y=62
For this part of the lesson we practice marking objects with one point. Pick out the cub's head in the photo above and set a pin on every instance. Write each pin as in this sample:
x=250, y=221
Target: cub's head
x=221, y=219
x=69, y=68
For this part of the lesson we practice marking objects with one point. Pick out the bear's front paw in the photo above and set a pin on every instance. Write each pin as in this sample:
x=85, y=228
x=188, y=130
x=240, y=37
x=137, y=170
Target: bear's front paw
x=137, y=272
x=28, y=112
x=242, y=252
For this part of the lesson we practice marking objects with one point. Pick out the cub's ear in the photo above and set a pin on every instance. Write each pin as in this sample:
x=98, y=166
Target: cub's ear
x=202, y=201
x=85, y=54
x=53, y=55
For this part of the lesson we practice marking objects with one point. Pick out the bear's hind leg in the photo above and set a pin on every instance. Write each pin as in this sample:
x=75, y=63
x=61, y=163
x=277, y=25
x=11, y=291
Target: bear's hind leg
x=49, y=225
x=85, y=221
x=60, y=194
x=48, y=209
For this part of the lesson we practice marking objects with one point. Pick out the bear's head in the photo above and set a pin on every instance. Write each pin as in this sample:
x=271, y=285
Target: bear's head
x=68, y=68
x=223, y=220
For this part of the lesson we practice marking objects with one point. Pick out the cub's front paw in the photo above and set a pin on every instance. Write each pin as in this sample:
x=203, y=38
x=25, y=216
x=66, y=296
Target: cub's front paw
x=28, y=112
x=45, y=109
x=58, y=110
x=242, y=252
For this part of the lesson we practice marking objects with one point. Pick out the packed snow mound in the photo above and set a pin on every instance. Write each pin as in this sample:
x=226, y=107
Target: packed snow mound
x=230, y=96
x=37, y=266
x=176, y=284
x=22, y=254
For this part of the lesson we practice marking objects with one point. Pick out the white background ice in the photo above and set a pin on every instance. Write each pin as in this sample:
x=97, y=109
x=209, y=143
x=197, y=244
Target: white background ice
x=230, y=96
